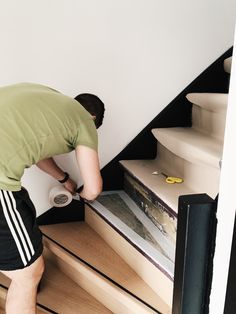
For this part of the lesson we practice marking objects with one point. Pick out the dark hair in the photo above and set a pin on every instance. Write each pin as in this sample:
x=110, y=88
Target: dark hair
x=93, y=105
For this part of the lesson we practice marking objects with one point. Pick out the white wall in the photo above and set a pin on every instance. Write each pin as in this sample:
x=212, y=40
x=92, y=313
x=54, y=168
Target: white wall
x=137, y=55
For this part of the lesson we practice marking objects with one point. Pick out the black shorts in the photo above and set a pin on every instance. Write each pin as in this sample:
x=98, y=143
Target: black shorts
x=20, y=237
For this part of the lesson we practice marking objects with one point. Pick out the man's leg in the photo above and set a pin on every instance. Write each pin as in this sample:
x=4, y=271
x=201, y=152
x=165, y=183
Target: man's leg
x=20, y=250
x=21, y=297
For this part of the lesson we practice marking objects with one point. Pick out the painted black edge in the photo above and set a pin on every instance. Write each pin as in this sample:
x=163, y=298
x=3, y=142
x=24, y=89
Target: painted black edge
x=56, y=215
x=100, y=273
x=176, y=114
x=154, y=197
x=130, y=242
x=194, y=254
x=38, y=304
x=230, y=301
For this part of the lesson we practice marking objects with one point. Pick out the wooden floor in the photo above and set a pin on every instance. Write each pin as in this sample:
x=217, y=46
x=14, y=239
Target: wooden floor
x=84, y=242
x=62, y=295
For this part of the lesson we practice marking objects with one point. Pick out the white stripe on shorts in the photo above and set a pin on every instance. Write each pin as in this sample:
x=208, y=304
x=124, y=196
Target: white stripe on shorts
x=11, y=214
x=30, y=245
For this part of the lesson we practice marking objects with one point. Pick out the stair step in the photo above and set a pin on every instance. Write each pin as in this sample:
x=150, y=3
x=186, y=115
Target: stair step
x=228, y=64
x=123, y=245
x=190, y=144
x=167, y=194
x=215, y=102
x=60, y=294
x=90, y=261
x=123, y=213
x=209, y=113
x=104, y=290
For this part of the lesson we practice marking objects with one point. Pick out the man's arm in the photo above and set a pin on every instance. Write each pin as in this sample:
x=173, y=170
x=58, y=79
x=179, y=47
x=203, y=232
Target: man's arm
x=50, y=167
x=88, y=163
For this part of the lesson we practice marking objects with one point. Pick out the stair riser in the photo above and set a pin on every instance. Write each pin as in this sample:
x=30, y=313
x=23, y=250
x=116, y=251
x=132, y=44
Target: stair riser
x=199, y=178
x=152, y=206
x=111, y=296
x=154, y=277
x=209, y=122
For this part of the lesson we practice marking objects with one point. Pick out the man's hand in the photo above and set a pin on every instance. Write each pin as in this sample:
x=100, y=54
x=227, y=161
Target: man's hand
x=71, y=186
x=50, y=167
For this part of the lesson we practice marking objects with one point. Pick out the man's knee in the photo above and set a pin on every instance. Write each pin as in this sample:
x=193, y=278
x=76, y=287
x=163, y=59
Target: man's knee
x=35, y=271
x=29, y=276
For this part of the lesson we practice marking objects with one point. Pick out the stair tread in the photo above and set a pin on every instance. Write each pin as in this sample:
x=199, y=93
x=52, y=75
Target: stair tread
x=228, y=64
x=215, y=102
x=84, y=242
x=62, y=295
x=192, y=145
x=143, y=170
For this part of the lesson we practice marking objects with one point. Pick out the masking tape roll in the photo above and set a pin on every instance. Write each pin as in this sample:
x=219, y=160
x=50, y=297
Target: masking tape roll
x=59, y=196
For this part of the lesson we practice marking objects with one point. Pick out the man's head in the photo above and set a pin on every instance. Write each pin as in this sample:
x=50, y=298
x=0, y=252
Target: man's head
x=93, y=105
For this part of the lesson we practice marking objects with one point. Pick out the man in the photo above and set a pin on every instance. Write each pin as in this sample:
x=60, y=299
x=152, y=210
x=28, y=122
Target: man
x=37, y=123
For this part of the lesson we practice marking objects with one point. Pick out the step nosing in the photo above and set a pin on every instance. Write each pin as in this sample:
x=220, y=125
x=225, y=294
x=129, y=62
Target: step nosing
x=188, y=139
x=213, y=102
x=99, y=272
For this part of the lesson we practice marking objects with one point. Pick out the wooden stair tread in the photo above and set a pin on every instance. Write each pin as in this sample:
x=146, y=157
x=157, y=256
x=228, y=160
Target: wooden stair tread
x=62, y=295
x=215, y=102
x=191, y=145
x=84, y=242
x=228, y=64
x=169, y=193
x=73, y=298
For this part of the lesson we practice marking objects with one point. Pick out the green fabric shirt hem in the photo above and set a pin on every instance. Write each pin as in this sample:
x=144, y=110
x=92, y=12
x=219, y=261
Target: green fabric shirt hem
x=13, y=188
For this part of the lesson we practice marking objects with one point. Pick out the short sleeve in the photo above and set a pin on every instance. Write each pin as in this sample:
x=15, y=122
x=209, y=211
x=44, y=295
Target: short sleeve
x=87, y=135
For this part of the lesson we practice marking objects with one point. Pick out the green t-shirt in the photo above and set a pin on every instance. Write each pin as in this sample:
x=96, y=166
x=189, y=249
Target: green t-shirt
x=37, y=122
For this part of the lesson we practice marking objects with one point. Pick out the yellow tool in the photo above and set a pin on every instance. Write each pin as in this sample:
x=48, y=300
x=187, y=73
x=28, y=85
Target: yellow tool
x=172, y=180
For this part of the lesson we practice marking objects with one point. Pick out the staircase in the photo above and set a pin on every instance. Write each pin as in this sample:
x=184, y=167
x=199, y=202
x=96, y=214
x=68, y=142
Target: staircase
x=120, y=259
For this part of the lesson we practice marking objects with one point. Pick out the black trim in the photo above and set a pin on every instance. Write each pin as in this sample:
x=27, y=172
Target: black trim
x=56, y=215
x=38, y=304
x=176, y=114
x=100, y=273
